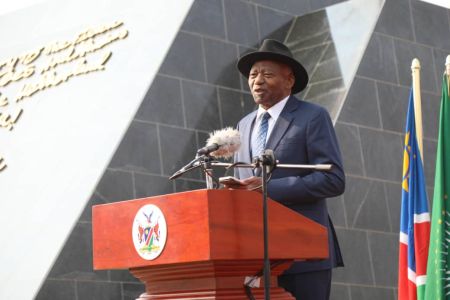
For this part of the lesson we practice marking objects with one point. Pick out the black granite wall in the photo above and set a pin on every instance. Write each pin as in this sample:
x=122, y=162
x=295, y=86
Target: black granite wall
x=198, y=90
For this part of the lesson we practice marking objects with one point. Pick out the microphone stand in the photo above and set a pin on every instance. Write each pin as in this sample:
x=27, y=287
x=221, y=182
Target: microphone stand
x=193, y=164
x=200, y=161
x=266, y=162
x=207, y=168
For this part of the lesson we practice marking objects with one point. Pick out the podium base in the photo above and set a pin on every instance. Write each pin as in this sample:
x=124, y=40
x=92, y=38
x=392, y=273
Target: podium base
x=211, y=280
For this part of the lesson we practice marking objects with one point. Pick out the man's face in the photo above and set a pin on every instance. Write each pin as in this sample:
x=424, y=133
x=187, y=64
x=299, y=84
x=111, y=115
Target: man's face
x=270, y=82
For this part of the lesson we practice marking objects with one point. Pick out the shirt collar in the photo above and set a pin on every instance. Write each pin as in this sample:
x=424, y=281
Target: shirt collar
x=274, y=111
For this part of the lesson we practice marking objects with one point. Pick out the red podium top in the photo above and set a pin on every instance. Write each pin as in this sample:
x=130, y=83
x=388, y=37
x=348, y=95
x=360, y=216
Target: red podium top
x=206, y=225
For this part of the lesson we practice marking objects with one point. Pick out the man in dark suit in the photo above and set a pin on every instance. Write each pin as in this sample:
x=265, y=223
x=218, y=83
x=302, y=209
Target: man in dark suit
x=299, y=133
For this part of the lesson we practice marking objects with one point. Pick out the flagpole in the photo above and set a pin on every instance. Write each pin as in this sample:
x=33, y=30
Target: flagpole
x=415, y=68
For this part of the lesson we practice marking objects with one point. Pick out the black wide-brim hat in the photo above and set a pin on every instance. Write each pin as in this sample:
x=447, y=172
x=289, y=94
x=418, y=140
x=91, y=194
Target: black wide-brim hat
x=276, y=51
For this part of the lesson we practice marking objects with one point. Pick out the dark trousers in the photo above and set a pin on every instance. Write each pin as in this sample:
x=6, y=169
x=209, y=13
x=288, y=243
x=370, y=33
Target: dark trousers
x=308, y=286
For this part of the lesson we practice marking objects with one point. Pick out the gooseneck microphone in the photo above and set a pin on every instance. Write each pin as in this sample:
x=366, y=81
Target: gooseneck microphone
x=221, y=143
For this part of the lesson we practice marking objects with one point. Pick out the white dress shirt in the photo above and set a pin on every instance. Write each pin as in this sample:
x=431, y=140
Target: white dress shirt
x=274, y=113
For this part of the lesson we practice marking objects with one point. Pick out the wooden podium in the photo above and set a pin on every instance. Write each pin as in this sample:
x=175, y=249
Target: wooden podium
x=214, y=240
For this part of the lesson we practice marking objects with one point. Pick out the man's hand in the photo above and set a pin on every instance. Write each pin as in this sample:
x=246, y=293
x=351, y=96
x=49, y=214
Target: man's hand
x=252, y=184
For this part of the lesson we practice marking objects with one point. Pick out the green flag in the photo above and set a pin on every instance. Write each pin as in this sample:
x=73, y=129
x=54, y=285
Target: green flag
x=438, y=267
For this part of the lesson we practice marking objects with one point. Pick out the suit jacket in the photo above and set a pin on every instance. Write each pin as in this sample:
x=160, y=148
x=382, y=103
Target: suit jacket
x=303, y=134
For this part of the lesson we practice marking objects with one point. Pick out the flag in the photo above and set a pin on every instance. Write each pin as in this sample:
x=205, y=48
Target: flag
x=438, y=282
x=414, y=218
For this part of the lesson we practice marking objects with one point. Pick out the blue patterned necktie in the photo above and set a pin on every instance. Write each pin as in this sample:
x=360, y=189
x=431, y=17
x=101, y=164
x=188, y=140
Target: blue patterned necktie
x=262, y=135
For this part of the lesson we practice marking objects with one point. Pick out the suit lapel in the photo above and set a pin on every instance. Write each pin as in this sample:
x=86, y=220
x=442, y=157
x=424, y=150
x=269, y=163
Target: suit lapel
x=282, y=124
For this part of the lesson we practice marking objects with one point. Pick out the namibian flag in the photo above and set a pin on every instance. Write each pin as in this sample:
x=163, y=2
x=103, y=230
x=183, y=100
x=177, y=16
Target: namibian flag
x=414, y=218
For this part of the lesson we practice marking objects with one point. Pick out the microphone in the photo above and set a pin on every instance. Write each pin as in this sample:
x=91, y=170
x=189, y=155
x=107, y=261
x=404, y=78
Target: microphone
x=222, y=143
x=208, y=149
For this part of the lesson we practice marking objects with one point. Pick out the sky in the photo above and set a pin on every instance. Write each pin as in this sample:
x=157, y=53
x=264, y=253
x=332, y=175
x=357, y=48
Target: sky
x=444, y=3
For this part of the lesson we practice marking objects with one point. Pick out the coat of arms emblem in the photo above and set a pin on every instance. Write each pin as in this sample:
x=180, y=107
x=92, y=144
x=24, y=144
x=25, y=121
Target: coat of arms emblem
x=149, y=232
